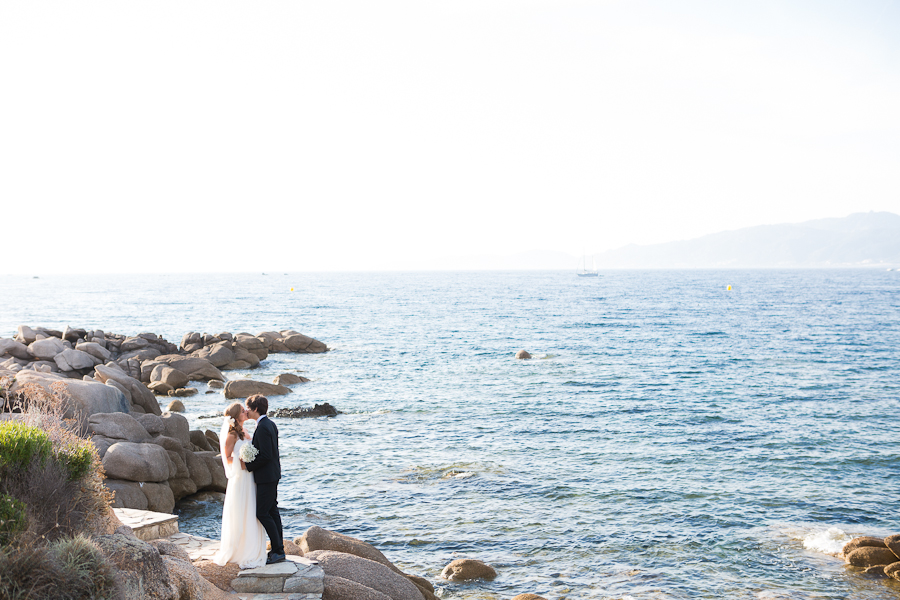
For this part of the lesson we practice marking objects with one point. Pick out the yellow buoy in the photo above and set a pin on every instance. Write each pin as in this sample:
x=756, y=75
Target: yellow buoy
x=729, y=288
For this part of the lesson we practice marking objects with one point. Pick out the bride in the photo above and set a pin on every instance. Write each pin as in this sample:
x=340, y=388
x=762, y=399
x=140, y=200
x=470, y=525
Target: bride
x=243, y=537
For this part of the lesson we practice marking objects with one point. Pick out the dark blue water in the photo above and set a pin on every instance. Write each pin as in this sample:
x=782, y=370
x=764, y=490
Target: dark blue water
x=671, y=438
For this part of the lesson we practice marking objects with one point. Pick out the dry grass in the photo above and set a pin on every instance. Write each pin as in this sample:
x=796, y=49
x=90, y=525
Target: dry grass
x=26, y=572
x=70, y=569
x=87, y=573
x=58, y=476
x=36, y=404
x=65, y=495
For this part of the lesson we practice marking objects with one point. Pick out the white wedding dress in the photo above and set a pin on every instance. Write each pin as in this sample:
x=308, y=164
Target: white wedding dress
x=243, y=537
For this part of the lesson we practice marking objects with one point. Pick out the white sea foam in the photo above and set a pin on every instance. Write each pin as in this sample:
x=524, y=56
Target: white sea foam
x=831, y=541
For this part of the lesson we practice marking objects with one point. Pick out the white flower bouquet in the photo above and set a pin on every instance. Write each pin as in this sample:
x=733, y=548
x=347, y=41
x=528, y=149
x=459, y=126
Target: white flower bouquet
x=248, y=453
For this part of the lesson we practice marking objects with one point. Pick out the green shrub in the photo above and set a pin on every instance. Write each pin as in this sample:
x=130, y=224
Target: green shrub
x=20, y=444
x=86, y=572
x=12, y=518
x=78, y=457
x=69, y=569
x=27, y=573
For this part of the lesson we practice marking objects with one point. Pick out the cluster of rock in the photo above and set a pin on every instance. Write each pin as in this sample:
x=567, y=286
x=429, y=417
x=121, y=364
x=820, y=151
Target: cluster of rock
x=148, y=360
x=75, y=352
x=878, y=556
x=270, y=341
x=319, y=410
x=153, y=461
x=154, y=570
x=356, y=570
x=109, y=382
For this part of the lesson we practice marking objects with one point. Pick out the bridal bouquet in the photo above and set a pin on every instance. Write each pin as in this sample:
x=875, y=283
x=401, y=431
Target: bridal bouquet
x=248, y=453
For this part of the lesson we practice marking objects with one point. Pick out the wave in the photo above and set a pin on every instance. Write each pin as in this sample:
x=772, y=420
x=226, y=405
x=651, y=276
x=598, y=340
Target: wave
x=592, y=325
x=455, y=471
x=369, y=413
x=831, y=541
x=586, y=384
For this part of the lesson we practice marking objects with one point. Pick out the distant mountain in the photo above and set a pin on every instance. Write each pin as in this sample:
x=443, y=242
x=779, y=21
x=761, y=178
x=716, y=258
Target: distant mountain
x=529, y=260
x=861, y=239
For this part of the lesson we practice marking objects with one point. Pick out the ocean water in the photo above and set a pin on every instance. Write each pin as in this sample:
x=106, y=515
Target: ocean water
x=670, y=439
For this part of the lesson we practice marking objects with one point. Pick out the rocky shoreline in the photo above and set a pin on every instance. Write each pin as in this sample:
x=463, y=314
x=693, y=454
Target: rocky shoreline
x=110, y=383
x=874, y=556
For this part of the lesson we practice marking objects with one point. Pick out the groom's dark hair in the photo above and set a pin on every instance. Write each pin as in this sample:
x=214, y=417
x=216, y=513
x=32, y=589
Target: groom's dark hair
x=259, y=403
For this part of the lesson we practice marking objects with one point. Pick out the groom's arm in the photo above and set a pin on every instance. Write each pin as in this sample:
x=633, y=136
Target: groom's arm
x=266, y=447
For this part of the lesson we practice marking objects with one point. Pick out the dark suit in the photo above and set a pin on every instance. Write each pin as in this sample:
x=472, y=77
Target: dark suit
x=266, y=469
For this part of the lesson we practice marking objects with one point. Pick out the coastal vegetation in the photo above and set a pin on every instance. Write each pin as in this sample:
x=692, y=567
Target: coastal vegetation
x=52, y=501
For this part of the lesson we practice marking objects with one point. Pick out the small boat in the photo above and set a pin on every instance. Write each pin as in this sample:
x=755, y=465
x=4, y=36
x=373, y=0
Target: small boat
x=583, y=271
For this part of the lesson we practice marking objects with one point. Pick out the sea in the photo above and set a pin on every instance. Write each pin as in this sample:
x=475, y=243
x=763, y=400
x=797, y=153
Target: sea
x=671, y=438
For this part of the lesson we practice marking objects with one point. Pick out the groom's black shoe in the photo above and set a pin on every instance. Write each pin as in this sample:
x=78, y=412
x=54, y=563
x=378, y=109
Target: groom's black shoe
x=275, y=558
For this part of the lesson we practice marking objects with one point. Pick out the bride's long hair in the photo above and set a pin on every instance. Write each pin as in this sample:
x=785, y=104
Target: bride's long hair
x=234, y=411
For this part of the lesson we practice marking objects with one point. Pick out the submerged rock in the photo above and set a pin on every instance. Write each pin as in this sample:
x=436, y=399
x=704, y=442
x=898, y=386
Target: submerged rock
x=465, y=569
x=870, y=556
x=184, y=392
x=319, y=410
x=160, y=389
x=861, y=542
x=289, y=379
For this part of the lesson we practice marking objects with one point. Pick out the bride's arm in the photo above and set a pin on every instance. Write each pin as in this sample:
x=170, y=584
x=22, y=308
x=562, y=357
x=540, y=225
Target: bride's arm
x=230, y=441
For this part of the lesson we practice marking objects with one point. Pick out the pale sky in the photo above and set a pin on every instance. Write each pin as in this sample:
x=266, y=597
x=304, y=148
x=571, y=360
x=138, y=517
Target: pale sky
x=252, y=136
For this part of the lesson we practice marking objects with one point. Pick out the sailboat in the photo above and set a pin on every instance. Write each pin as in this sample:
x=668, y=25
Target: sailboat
x=583, y=271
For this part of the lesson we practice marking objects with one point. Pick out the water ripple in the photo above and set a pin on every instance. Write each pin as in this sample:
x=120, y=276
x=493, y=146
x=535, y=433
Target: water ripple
x=670, y=440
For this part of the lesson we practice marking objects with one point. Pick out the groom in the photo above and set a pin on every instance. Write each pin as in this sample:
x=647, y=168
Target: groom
x=266, y=469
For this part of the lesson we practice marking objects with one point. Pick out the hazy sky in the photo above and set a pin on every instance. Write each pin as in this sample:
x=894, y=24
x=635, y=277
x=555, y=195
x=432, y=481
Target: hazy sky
x=247, y=136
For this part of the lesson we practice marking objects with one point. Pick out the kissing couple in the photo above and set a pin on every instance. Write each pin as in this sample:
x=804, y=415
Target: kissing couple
x=253, y=468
